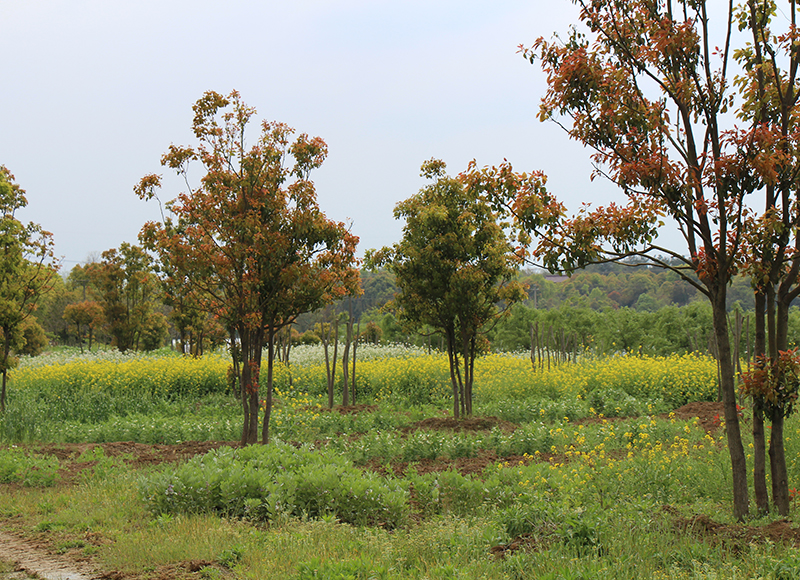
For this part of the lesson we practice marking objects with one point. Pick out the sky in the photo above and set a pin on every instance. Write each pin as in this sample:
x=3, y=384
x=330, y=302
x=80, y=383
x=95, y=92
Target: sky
x=95, y=91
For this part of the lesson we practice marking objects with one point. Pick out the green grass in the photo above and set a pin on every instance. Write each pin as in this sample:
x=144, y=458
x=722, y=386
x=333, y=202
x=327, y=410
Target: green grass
x=588, y=497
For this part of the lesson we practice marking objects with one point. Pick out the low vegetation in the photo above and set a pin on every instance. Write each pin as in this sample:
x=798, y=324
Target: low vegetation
x=596, y=469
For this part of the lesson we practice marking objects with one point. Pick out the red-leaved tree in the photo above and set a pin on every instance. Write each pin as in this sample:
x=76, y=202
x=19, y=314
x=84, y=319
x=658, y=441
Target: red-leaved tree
x=250, y=238
x=647, y=85
x=769, y=91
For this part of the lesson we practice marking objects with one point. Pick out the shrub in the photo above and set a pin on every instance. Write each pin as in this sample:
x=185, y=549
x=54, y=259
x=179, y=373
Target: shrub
x=264, y=482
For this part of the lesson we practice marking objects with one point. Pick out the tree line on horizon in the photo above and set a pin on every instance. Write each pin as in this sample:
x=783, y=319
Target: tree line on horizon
x=64, y=319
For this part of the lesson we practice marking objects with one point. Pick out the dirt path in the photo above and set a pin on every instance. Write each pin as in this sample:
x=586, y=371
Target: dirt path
x=34, y=561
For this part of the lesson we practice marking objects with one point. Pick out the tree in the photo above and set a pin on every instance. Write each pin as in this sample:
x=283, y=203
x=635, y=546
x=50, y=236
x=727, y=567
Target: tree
x=647, y=87
x=453, y=267
x=251, y=239
x=770, y=92
x=50, y=308
x=33, y=338
x=155, y=331
x=128, y=292
x=329, y=332
x=26, y=267
x=87, y=316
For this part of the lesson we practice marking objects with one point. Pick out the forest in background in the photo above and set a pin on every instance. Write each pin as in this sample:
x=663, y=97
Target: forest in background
x=603, y=308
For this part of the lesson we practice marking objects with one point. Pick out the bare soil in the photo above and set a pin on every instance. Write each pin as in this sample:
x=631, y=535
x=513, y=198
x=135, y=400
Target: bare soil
x=37, y=556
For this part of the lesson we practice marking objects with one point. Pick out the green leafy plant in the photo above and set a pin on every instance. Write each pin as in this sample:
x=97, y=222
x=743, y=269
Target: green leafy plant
x=263, y=482
x=360, y=569
x=230, y=556
x=18, y=466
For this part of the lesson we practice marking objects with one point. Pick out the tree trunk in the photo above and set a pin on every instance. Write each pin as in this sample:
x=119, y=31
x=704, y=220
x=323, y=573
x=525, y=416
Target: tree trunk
x=777, y=451
x=353, y=377
x=468, y=350
x=251, y=364
x=453, y=380
x=268, y=398
x=287, y=350
x=244, y=384
x=759, y=439
x=346, y=363
x=533, y=357
x=3, y=392
x=325, y=337
x=777, y=463
x=330, y=366
x=741, y=500
x=460, y=383
x=237, y=371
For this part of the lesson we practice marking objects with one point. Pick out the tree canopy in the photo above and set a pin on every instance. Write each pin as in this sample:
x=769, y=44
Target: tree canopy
x=453, y=267
x=648, y=86
x=250, y=239
x=27, y=265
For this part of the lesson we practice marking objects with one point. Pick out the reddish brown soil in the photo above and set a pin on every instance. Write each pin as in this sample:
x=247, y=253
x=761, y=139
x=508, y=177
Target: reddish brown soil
x=137, y=455
x=188, y=570
x=708, y=414
x=703, y=527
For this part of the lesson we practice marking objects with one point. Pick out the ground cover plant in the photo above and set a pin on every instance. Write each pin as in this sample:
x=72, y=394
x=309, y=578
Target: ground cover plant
x=611, y=468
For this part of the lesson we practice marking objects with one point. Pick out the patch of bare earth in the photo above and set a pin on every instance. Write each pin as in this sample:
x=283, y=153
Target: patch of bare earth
x=736, y=536
x=33, y=558
x=188, y=570
x=708, y=414
x=36, y=557
x=136, y=455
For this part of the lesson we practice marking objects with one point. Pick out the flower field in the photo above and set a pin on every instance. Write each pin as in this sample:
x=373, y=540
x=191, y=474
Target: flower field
x=89, y=397
x=582, y=470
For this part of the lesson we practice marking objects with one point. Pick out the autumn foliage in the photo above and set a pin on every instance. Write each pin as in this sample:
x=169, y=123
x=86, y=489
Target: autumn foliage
x=652, y=89
x=250, y=240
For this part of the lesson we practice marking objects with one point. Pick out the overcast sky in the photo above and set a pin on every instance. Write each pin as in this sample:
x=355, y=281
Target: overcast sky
x=94, y=92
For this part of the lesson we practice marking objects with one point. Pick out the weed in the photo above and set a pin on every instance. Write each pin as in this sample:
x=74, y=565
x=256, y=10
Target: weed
x=230, y=557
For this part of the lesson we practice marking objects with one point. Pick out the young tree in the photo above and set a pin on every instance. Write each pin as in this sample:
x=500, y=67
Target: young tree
x=87, y=316
x=251, y=239
x=34, y=339
x=453, y=267
x=647, y=87
x=770, y=91
x=26, y=267
x=128, y=292
x=50, y=308
x=329, y=332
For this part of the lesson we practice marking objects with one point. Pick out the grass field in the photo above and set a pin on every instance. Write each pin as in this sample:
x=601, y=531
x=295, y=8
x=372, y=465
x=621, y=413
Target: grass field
x=587, y=470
